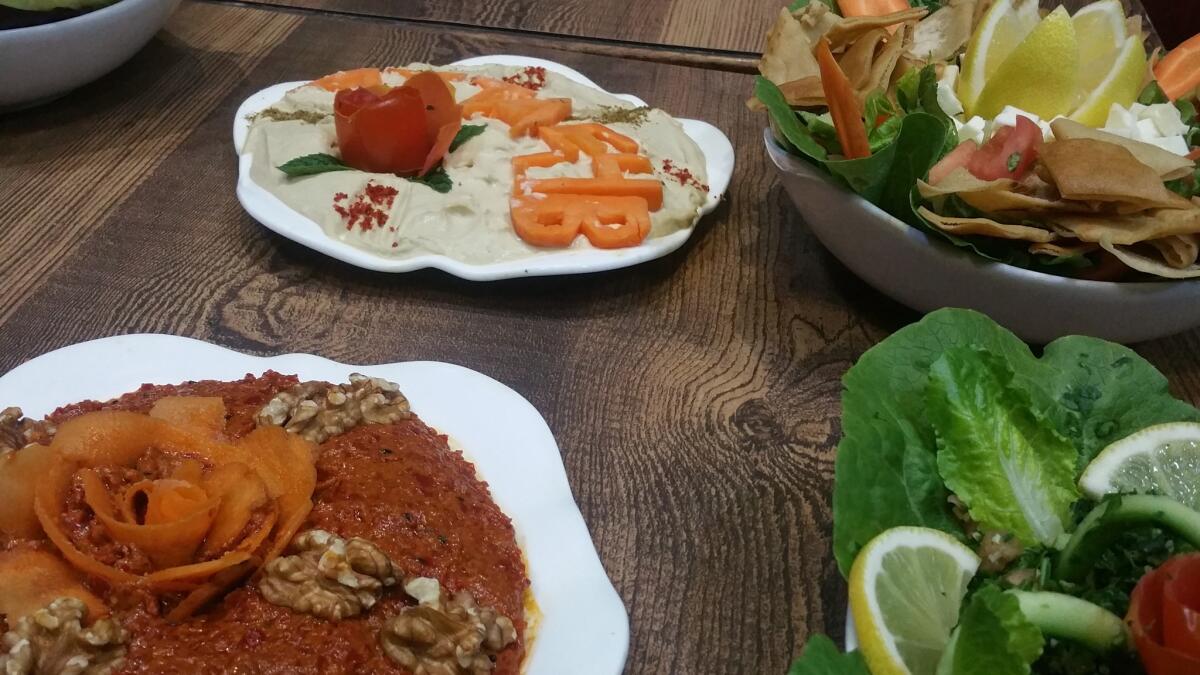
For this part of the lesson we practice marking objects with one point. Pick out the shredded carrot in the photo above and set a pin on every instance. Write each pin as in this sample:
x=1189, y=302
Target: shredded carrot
x=843, y=104
x=366, y=78
x=1178, y=73
x=850, y=8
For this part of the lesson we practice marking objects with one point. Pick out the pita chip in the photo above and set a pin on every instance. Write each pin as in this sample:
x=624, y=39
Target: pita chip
x=1086, y=169
x=1165, y=163
x=986, y=227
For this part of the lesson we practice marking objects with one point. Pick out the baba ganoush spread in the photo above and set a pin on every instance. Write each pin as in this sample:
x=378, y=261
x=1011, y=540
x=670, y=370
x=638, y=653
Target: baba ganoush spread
x=396, y=217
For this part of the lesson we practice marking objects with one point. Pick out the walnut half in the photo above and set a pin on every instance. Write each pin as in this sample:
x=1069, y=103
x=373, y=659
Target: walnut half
x=53, y=641
x=453, y=638
x=319, y=410
x=328, y=577
x=18, y=431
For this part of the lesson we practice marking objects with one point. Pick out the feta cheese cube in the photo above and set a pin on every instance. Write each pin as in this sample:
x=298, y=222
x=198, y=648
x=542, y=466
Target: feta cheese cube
x=1174, y=144
x=972, y=130
x=1166, y=118
x=1120, y=118
x=1146, y=129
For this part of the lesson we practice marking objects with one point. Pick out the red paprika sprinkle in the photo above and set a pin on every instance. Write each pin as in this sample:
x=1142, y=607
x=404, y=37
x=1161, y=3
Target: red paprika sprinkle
x=682, y=175
x=370, y=206
x=533, y=77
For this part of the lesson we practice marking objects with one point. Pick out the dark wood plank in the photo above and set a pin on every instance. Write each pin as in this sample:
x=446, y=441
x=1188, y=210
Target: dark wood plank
x=695, y=398
x=707, y=25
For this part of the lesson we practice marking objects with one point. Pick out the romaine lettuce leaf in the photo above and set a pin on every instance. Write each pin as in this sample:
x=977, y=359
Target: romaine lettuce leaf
x=1010, y=466
x=822, y=657
x=784, y=120
x=886, y=468
x=1093, y=392
x=993, y=637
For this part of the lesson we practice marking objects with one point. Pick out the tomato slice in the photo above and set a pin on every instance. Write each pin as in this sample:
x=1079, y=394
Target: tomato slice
x=958, y=158
x=1009, y=153
x=1163, y=617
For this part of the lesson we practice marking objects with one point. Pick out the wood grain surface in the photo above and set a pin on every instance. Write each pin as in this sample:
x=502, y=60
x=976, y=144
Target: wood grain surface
x=707, y=29
x=695, y=398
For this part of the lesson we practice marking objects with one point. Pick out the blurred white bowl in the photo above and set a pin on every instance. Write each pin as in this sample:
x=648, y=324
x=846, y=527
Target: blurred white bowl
x=927, y=274
x=40, y=63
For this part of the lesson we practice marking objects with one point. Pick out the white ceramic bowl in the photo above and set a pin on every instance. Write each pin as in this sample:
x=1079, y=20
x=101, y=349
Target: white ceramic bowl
x=269, y=210
x=583, y=629
x=40, y=63
x=927, y=274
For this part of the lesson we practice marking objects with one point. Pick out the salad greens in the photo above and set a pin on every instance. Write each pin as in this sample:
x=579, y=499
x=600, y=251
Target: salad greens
x=822, y=657
x=1091, y=392
x=995, y=452
x=1188, y=186
x=957, y=405
x=993, y=637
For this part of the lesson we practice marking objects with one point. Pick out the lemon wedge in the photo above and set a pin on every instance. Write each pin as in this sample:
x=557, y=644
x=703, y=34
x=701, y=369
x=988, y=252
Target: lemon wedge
x=1100, y=32
x=1120, y=85
x=1040, y=76
x=906, y=587
x=1163, y=459
x=1006, y=25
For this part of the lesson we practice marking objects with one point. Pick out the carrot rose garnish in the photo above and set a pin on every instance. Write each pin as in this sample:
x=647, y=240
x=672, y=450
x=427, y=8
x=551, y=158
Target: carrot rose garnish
x=185, y=508
x=405, y=130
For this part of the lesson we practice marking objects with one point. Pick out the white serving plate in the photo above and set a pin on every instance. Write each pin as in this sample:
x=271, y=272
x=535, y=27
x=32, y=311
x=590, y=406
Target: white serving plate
x=927, y=274
x=269, y=210
x=44, y=62
x=583, y=629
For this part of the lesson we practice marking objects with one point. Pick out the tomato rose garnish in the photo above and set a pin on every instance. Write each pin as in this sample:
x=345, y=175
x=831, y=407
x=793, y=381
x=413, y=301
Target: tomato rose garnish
x=1164, y=617
x=405, y=130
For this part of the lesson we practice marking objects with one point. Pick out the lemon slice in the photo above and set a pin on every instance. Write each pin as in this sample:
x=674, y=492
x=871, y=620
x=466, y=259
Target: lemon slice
x=1100, y=32
x=1163, y=459
x=1041, y=75
x=906, y=587
x=1004, y=26
x=1120, y=85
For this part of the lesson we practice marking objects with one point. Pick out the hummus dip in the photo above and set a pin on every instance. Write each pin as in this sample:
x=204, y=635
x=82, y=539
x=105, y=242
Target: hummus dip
x=471, y=222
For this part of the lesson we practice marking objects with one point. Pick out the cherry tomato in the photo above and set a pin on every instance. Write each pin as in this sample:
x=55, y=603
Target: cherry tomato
x=1009, y=153
x=1164, y=617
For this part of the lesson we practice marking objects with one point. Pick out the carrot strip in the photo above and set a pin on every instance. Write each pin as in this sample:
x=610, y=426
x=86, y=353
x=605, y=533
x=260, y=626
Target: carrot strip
x=650, y=190
x=1178, y=73
x=851, y=8
x=616, y=165
x=843, y=104
x=539, y=221
x=619, y=141
x=523, y=163
x=613, y=222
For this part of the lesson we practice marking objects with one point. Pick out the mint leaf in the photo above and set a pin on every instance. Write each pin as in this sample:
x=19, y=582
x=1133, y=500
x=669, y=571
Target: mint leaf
x=822, y=657
x=437, y=178
x=993, y=638
x=783, y=119
x=1010, y=466
x=312, y=164
x=466, y=133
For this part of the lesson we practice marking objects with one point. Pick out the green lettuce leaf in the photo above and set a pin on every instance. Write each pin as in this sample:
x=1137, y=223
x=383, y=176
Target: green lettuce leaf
x=1092, y=392
x=1010, y=466
x=886, y=468
x=993, y=637
x=822, y=657
x=784, y=120
x=888, y=176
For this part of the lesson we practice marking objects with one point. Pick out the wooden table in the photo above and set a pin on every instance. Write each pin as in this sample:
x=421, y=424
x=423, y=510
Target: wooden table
x=695, y=398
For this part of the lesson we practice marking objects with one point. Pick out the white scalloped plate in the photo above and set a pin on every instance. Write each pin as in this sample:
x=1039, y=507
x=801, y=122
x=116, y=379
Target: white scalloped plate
x=584, y=628
x=269, y=210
